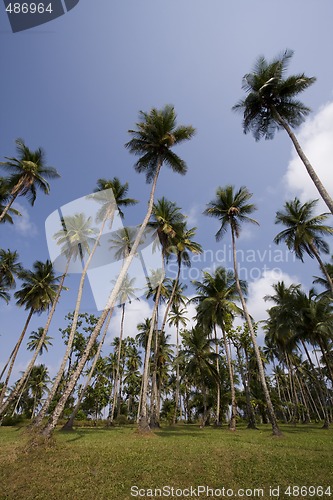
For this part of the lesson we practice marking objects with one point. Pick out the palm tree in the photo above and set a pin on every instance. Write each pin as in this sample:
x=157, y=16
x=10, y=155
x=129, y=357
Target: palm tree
x=304, y=232
x=166, y=220
x=233, y=208
x=37, y=294
x=126, y=294
x=199, y=362
x=271, y=104
x=28, y=173
x=216, y=306
x=34, y=339
x=153, y=139
x=177, y=317
x=9, y=269
x=37, y=384
x=4, y=197
x=183, y=245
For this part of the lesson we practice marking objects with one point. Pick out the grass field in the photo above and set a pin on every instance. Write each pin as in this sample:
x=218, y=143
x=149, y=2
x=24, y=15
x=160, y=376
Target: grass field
x=106, y=463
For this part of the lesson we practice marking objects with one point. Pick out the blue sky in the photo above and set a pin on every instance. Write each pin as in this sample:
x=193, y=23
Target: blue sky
x=74, y=86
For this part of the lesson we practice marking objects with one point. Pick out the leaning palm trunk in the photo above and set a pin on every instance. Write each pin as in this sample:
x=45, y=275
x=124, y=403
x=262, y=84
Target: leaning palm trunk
x=275, y=427
x=71, y=336
x=15, y=194
x=26, y=374
x=13, y=358
x=68, y=426
x=311, y=171
x=110, y=304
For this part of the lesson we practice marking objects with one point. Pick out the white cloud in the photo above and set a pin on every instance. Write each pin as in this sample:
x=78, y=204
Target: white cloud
x=256, y=304
x=135, y=312
x=192, y=217
x=23, y=224
x=315, y=138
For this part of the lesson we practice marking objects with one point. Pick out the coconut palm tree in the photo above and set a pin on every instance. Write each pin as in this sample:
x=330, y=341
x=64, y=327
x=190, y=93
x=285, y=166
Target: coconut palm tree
x=199, y=362
x=232, y=209
x=177, y=317
x=37, y=294
x=9, y=269
x=34, y=339
x=156, y=134
x=76, y=238
x=271, y=104
x=304, y=232
x=166, y=220
x=126, y=294
x=4, y=198
x=28, y=173
x=216, y=298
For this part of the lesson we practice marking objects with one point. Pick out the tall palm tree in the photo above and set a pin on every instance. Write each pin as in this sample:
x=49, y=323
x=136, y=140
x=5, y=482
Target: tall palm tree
x=166, y=220
x=199, y=362
x=183, y=245
x=231, y=209
x=177, y=317
x=77, y=238
x=37, y=294
x=156, y=134
x=126, y=294
x=304, y=232
x=28, y=173
x=271, y=104
x=216, y=298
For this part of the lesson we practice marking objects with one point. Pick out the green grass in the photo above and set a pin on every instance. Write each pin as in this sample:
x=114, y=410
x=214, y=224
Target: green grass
x=105, y=463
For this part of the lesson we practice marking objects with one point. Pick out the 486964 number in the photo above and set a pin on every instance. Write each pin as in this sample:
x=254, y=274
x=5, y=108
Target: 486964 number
x=29, y=8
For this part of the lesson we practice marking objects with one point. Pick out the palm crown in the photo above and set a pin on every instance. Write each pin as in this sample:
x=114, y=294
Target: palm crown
x=304, y=230
x=270, y=96
x=231, y=208
x=156, y=134
x=28, y=172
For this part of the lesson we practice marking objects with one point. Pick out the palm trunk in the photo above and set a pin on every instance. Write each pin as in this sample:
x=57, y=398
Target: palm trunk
x=116, y=382
x=177, y=379
x=218, y=395
x=311, y=171
x=8, y=206
x=70, y=422
x=232, y=423
x=275, y=427
x=319, y=388
x=10, y=369
x=110, y=304
x=250, y=413
x=71, y=336
x=144, y=424
x=26, y=374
